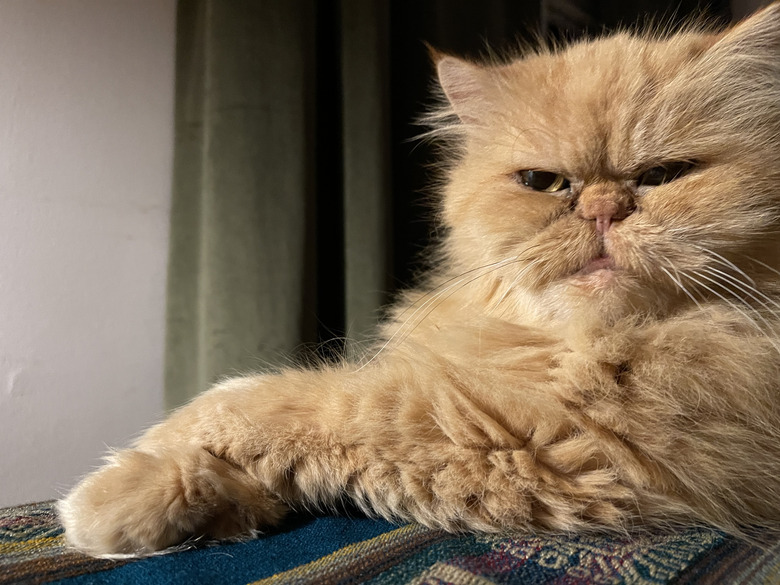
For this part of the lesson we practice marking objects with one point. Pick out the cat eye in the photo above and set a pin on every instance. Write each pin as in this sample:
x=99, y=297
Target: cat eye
x=542, y=181
x=663, y=173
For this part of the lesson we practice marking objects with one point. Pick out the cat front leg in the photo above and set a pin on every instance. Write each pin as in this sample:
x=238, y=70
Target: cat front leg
x=220, y=467
x=407, y=439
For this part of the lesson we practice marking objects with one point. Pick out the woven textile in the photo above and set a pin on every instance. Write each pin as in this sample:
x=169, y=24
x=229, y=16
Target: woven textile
x=359, y=550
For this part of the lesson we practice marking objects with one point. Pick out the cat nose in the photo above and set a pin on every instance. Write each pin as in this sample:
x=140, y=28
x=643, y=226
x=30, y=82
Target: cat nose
x=605, y=203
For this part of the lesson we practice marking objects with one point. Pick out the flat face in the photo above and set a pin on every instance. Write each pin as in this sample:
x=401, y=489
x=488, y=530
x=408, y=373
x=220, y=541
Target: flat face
x=640, y=171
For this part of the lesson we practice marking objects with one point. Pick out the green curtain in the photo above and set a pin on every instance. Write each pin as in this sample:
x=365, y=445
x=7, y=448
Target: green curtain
x=243, y=285
x=366, y=127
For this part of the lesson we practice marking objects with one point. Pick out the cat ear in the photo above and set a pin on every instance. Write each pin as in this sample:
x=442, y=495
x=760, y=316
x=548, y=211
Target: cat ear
x=465, y=84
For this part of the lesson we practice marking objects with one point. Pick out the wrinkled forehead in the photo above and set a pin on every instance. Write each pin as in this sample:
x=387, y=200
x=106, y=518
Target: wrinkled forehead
x=604, y=106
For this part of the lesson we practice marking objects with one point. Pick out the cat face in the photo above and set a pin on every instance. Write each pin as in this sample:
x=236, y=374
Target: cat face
x=630, y=172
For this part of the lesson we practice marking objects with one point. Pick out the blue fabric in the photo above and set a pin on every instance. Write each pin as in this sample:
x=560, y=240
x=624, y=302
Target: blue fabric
x=303, y=541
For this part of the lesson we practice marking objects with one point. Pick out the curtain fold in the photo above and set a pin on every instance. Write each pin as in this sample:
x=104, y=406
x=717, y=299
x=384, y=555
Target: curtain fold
x=366, y=132
x=298, y=196
x=240, y=239
x=280, y=218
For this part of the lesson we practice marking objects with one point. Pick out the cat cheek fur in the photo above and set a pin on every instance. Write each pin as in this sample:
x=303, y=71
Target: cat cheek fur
x=547, y=375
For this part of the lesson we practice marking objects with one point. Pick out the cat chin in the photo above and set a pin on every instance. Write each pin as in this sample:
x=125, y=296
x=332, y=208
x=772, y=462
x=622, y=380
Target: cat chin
x=596, y=280
x=605, y=295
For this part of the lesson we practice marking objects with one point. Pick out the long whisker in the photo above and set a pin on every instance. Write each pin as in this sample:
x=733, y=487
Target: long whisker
x=680, y=285
x=767, y=266
x=735, y=306
x=769, y=335
x=732, y=292
x=519, y=275
x=461, y=281
x=746, y=288
x=432, y=296
x=514, y=282
x=434, y=291
x=726, y=262
x=442, y=297
x=438, y=294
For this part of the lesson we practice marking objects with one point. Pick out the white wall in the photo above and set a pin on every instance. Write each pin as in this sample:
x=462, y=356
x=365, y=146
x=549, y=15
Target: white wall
x=86, y=135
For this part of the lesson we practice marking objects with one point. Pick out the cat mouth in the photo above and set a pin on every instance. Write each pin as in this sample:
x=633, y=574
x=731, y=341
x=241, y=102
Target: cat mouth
x=598, y=272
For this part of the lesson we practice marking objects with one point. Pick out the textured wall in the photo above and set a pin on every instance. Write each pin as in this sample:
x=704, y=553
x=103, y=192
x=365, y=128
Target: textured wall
x=86, y=133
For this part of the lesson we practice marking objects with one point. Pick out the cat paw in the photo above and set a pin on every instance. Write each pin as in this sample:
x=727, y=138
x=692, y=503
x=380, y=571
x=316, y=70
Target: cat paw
x=140, y=502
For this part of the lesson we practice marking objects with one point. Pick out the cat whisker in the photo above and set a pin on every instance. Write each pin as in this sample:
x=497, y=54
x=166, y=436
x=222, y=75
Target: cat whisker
x=751, y=291
x=767, y=266
x=444, y=286
x=514, y=282
x=680, y=285
x=737, y=308
x=450, y=286
x=748, y=286
x=731, y=302
x=645, y=267
x=440, y=294
x=724, y=261
x=443, y=296
x=771, y=329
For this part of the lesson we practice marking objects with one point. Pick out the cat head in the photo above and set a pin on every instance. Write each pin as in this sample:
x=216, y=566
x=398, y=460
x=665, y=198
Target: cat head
x=629, y=172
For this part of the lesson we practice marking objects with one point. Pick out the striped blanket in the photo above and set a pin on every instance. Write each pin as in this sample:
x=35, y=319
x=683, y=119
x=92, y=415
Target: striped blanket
x=358, y=550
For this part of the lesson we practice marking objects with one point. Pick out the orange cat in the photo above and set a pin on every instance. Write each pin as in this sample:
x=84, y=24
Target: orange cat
x=597, y=350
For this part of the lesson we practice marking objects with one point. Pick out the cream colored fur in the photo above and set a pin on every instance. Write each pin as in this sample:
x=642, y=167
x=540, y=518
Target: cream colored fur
x=519, y=389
